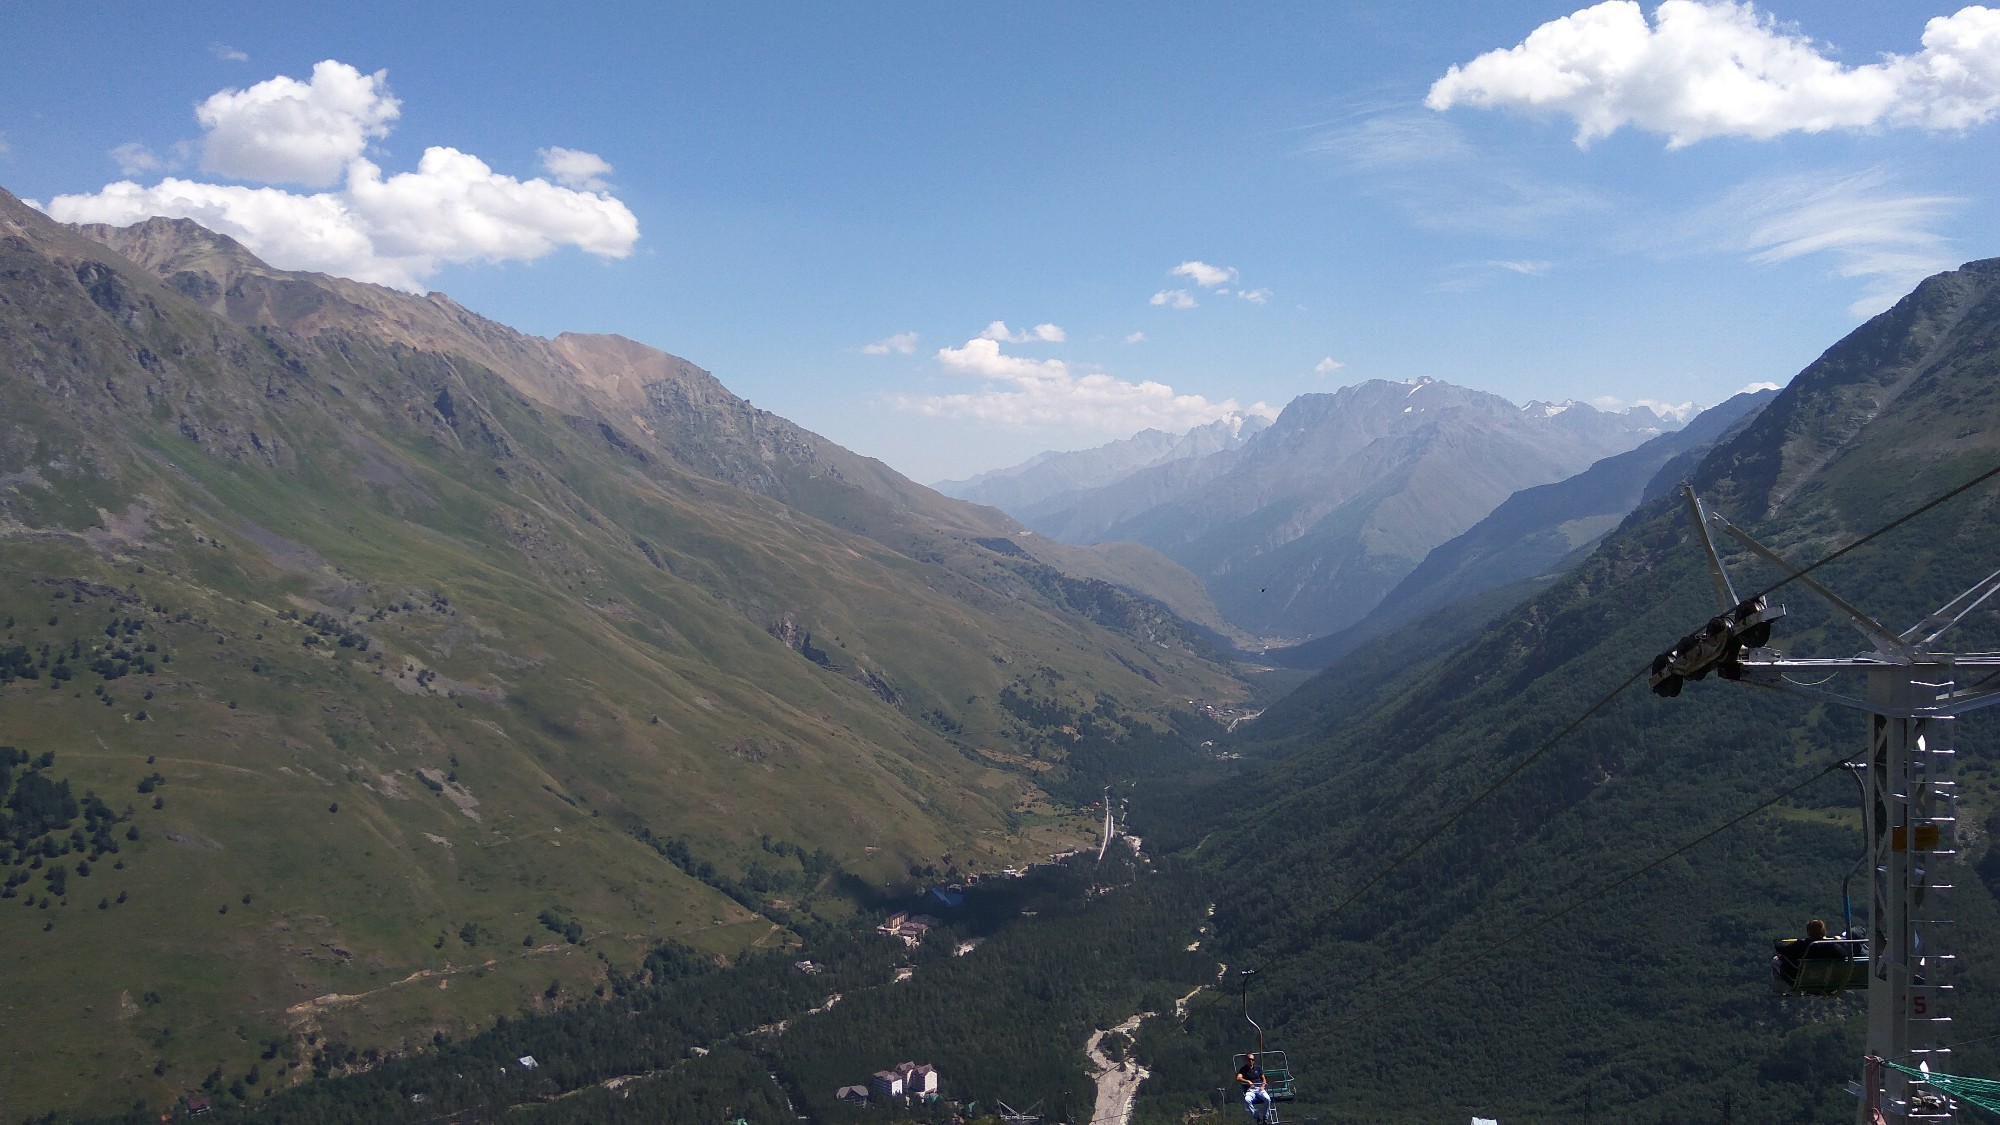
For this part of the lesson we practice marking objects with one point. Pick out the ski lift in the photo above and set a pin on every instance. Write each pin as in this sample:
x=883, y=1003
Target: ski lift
x=1824, y=966
x=1277, y=1072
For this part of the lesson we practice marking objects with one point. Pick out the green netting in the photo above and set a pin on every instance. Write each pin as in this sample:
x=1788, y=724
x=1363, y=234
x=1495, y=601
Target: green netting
x=1982, y=1092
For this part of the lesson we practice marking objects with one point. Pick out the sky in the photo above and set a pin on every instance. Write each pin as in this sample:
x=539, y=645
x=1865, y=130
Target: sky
x=952, y=235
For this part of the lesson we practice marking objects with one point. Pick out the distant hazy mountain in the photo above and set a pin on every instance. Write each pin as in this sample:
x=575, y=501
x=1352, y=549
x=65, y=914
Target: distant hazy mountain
x=1532, y=536
x=1304, y=528
x=1043, y=478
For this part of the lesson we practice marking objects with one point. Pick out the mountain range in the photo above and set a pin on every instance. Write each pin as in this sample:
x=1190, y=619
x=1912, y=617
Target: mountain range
x=1302, y=527
x=1528, y=541
x=391, y=654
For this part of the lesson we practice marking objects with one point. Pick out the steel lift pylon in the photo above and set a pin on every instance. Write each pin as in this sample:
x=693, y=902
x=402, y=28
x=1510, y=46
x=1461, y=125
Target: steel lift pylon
x=1910, y=693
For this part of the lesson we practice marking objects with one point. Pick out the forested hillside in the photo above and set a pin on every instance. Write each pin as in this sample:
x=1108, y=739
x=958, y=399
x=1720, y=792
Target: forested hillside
x=1647, y=1003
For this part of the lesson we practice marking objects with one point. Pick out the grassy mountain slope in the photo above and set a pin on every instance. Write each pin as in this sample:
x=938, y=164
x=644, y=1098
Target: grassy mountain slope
x=1648, y=1004
x=426, y=628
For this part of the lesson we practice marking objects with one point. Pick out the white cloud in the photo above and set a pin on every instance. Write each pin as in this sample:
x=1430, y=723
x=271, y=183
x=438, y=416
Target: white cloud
x=1254, y=296
x=574, y=168
x=1203, y=274
x=1671, y=411
x=283, y=131
x=1042, y=333
x=391, y=229
x=902, y=343
x=1024, y=392
x=1753, y=388
x=1712, y=68
x=1135, y=337
x=982, y=357
x=227, y=53
x=1525, y=267
x=1327, y=366
x=1874, y=231
x=135, y=159
x=1173, y=299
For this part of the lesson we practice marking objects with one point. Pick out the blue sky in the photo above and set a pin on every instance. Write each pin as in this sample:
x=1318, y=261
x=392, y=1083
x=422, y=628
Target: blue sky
x=1662, y=203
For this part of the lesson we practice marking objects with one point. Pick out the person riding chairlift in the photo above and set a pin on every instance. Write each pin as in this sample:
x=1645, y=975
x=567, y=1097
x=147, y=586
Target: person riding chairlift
x=1791, y=951
x=1251, y=1077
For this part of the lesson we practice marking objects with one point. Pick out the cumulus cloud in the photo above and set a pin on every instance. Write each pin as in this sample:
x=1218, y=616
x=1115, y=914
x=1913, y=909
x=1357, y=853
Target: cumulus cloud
x=135, y=159
x=902, y=343
x=1753, y=388
x=284, y=131
x=1712, y=68
x=1327, y=366
x=227, y=53
x=1040, y=333
x=574, y=168
x=1203, y=274
x=1024, y=392
x=391, y=229
x=1173, y=299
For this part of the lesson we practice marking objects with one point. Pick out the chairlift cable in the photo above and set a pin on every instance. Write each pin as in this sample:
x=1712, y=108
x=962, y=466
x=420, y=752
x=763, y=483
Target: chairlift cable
x=1593, y=896
x=1327, y=916
x=1879, y=532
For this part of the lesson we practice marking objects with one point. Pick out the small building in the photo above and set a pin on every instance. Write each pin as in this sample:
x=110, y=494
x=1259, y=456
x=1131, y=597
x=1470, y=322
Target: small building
x=948, y=897
x=198, y=1105
x=921, y=1081
x=851, y=1095
x=806, y=967
x=887, y=1083
x=527, y=1062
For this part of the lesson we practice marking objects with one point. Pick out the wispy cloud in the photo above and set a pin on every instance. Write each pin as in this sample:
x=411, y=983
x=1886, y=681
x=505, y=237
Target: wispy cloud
x=227, y=53
x=1254, y=296
x=1715, y=68
x=135, y=159
x=1173, y=299
x=1040, y=333
x=1135, y=337
x=1464, y=276
x=1874, y=231
x=1429, y=168
x=902, y=343
x=574, y=168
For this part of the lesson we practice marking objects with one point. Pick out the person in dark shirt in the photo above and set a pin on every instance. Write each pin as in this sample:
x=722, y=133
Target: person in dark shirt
x=1251, y=1077
x=1793, y=950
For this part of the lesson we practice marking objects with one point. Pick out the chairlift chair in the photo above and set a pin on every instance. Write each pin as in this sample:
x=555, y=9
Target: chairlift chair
x=1831, y=965
x=1827, y=967
x=1277, y=1072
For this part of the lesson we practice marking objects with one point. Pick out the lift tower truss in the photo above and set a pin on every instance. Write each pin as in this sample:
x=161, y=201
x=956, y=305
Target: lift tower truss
x=1910, y=693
